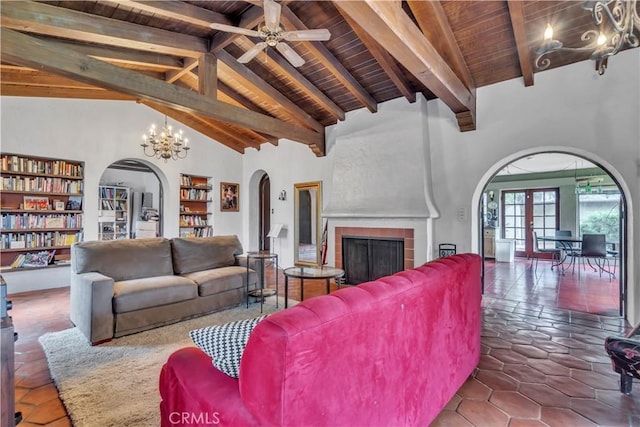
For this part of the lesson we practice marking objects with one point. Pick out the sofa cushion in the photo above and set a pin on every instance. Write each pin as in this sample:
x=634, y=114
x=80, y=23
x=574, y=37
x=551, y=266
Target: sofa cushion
x=203, y=253
x=137, y=294
x=221, y=279
x=123, y=259
x=225, y=343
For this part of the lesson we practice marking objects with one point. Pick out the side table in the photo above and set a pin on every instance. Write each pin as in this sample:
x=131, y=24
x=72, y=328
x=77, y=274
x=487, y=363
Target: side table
x=262, y=292
x=325, y=272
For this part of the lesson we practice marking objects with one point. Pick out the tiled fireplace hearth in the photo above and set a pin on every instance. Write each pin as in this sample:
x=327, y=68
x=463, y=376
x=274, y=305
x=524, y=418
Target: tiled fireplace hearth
x=377, y=233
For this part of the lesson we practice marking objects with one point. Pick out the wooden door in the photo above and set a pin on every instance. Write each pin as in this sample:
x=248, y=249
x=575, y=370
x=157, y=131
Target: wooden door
x=525, y=211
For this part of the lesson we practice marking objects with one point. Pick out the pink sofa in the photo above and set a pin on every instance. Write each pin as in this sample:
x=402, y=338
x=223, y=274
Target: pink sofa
x=388, y=352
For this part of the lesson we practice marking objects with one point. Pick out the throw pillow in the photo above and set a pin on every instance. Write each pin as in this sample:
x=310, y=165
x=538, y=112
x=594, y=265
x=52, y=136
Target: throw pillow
x=225, y=343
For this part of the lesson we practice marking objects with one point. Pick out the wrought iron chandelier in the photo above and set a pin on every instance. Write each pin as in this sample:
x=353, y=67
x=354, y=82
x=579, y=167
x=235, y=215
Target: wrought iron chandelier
x=621, y=16
x=166, y=144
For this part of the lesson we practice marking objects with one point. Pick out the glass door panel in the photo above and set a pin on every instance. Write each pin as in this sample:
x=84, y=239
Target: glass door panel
x=525, y=211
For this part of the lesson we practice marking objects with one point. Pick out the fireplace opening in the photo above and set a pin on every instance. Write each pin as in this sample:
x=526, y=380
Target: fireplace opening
x=369, y=258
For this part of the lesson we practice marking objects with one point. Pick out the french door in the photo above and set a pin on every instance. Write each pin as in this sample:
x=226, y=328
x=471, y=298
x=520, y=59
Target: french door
x=525, y=211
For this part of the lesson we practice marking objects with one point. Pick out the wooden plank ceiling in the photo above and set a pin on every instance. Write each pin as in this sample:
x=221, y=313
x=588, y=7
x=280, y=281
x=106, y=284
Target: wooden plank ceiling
x=165, y=55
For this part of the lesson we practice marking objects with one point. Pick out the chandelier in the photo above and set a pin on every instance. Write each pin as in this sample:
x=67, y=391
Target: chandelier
x=621, y=15
x=166, y=144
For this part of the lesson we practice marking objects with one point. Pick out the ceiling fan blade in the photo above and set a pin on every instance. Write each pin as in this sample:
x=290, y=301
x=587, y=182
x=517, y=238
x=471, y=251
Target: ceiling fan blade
x=312, y=35
x=291, y=55
x=272, y=15
x=251, y=53
x=237, y=30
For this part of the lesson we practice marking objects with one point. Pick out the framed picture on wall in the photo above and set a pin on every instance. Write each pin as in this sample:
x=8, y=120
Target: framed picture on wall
x=229, y=197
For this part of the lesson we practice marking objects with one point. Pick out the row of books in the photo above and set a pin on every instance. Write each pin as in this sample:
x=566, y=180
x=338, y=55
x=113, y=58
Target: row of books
x=194, y=194
x=27, y=220
x=113, y=205
x=38, y=240
x=190, y=220
x=189, y=182
x=113, y=193
x=33, y=259
x=196, y=232
x=52, y=167
x=40, y=184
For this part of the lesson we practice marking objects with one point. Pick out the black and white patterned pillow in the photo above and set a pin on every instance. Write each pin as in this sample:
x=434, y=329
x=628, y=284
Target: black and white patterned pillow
x=225, y=343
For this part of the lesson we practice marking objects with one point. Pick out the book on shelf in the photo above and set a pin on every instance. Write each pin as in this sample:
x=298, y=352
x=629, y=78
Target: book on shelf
x=33, y=259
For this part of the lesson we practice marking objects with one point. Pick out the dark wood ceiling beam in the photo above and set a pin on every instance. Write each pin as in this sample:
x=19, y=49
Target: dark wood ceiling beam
x=268, y=93
x=179, y=10
x=54, y=57
x=326, y=58
x=208, y=75
x=192, y=81
x=433, y=22
x=174, y=75
x=435, y=26
x=65, y=23
x=279, y=64
x=250, y=19
x=516, y=12
x=398, y=34
x=151, y=60
x=385, y=60
x=8, y=89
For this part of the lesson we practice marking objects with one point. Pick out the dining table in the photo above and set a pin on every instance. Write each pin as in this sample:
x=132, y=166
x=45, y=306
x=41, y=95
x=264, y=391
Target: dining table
x=571, y=247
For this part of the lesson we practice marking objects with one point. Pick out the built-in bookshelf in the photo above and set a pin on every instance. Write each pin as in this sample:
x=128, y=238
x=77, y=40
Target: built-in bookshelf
x=113, y=214
x=195, y=200
x=41, y=202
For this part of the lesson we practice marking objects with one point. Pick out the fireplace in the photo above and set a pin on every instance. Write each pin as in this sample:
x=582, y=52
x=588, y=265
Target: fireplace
x=365, y=259
x=369, y=253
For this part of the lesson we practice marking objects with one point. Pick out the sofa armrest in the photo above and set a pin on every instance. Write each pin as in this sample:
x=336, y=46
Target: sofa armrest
x=254, y=265
x=91, y=308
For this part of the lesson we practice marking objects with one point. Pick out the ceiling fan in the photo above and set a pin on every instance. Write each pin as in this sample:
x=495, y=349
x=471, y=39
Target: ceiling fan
x=273, y=34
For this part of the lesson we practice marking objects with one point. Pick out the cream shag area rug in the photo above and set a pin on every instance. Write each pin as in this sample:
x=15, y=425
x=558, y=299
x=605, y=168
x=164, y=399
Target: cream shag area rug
x=116, y=383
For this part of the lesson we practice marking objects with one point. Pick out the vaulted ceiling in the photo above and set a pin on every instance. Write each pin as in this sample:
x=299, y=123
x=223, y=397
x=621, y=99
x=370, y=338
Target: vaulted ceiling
x=165, y=55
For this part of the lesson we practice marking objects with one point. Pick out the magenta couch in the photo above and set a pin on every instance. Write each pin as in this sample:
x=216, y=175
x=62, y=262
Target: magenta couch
x=391, y=352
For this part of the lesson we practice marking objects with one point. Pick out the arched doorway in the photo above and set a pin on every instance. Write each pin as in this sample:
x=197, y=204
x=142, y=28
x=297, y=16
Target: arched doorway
x=264, y=222
x=130, y=202
x=546, y=192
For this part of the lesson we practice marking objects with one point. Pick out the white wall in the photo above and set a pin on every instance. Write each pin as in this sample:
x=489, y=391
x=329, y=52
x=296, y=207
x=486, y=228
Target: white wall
x=100, y=133
x=569, y=109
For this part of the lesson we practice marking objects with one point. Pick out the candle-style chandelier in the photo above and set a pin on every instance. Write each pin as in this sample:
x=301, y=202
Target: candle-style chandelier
x=621, y=17
x=166, y=144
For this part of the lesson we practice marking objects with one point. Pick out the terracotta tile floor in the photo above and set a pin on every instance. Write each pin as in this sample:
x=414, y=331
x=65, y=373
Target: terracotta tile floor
x=543, y=360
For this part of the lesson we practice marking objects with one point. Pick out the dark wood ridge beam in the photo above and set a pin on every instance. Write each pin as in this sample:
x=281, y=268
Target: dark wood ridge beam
x=179, y=10
x=322, y=54
x=385, y=60
x=249, y=79
x=54, y=57
x=278, y=63
x=435, y=26
x=397, y=33
x=516, y=12
x=204, y=128
x=55, y=21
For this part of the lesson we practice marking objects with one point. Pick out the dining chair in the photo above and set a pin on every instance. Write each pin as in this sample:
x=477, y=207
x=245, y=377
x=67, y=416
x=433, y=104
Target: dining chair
x=594, y=246
x=537, y=251
x=566, y=248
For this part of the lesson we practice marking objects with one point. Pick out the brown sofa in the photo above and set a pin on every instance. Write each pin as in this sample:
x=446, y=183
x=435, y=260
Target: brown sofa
x=126, y=286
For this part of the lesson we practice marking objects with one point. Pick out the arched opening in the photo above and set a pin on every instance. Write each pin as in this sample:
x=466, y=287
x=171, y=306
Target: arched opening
x=259, y=210
x=264, y=201
x=130, y=201
x=545, y=193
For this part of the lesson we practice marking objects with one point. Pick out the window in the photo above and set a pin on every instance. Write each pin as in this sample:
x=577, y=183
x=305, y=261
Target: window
x=599, y=213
